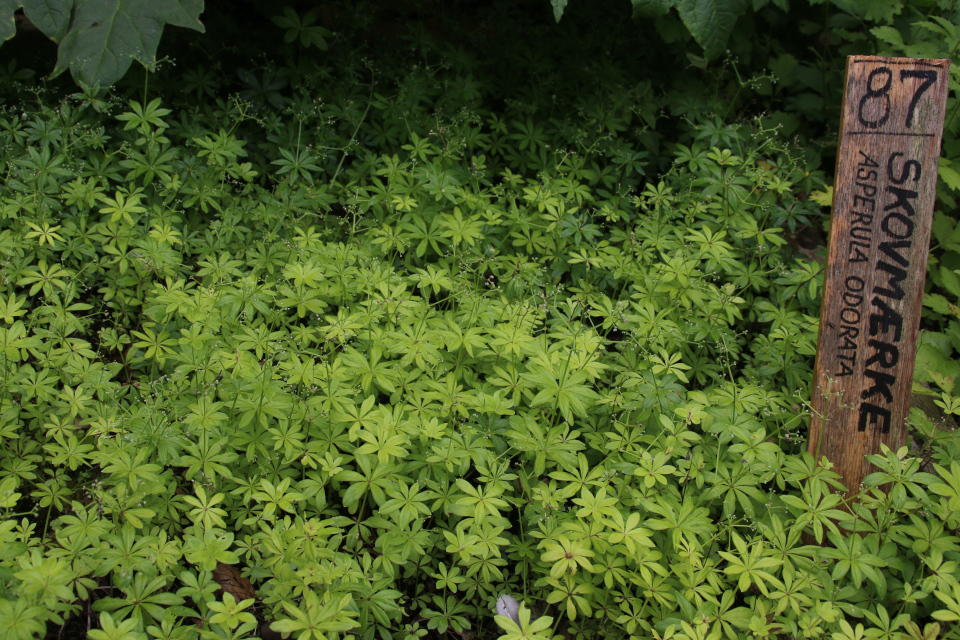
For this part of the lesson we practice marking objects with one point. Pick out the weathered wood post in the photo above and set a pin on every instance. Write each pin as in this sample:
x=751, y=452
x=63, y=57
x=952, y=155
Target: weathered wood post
x=884, y=191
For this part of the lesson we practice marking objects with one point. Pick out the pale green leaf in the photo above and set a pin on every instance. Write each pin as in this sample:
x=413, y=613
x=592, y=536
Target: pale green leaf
x=823, y=198
x=948, y=175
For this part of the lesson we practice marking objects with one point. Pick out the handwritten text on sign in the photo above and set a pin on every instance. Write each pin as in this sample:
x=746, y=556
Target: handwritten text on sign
x=880, y=233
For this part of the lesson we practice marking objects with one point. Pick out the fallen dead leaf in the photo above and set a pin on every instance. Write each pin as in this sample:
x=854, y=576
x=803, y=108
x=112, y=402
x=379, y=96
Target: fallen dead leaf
x=232, y=582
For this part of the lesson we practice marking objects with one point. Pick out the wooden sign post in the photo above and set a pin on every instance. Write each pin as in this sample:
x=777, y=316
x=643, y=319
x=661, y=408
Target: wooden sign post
x=883, y=200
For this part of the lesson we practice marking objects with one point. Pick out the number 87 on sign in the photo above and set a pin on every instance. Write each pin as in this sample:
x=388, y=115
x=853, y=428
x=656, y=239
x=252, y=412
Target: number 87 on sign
x=884, y=193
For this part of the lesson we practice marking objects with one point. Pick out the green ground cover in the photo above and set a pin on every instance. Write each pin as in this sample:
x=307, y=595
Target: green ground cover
x=353, y=322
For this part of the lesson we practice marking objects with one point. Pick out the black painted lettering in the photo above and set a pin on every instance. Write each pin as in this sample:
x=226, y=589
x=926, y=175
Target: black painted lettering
x=890, y=248
x=855, y=283
x=881, y=384
x=867, y=161
x=901, y=200
x=869, y=202
x=856, y=255
x=886, y=320
x=849, y=316
x=847, y=330
x=852, y=299
x=908, y=166
x=869, y=190
x=897, y=225
x=897, y=275
x=871, y=414
x=886, y=354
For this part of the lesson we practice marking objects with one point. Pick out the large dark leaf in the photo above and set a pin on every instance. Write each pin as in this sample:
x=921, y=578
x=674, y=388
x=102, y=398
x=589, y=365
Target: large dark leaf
x=99, y=39
x=710, y=22
x=651, y=8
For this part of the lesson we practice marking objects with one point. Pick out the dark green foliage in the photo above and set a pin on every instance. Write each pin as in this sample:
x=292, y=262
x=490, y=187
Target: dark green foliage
x=399, y=330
